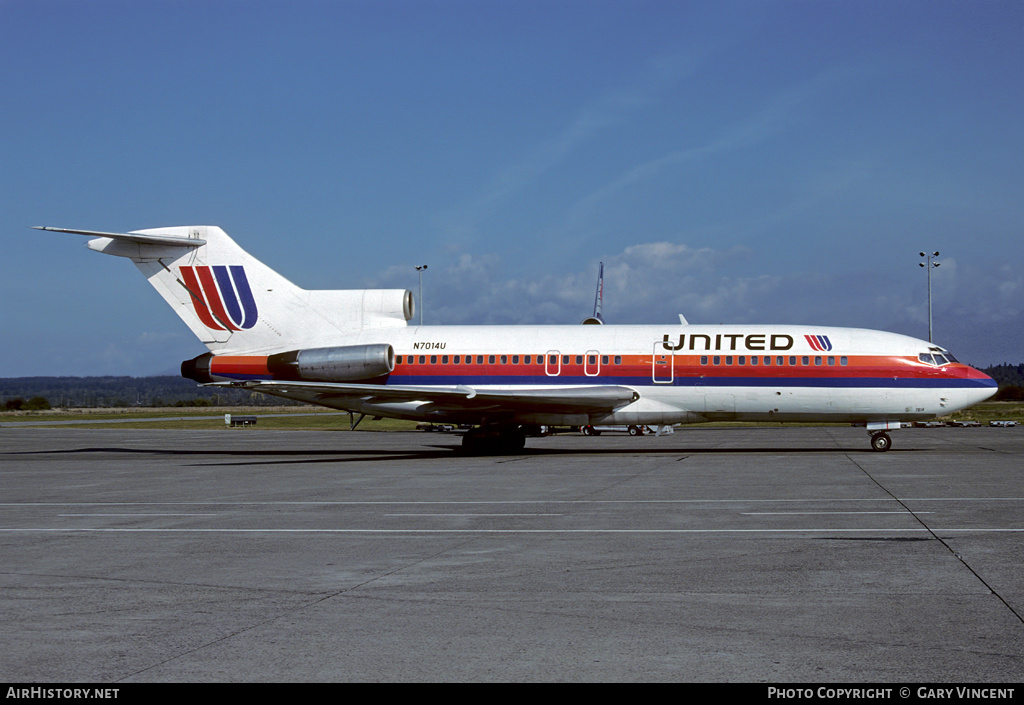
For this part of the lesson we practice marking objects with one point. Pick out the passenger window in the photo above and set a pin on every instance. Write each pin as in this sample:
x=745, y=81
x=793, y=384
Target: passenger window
x=728, y=359
x=433, y=359
x=604, y=359
x=817, y=360
x=579, y=359
x=703, y=359
x=398, y=359
x=526, y=359
x=805, y=361
x=831, y=360
x=792, y=360
x=490, y=359
x=717, y=360
x=767, y=359
x=742, y=360
x=753, y=359
x=618, y=359
x=843, y=360
x=423, y=360
x=504, y=359
x=444, y=359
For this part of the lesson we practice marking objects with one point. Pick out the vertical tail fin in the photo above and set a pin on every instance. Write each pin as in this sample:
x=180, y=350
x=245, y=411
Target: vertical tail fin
x=234, y=303
x=597, y=318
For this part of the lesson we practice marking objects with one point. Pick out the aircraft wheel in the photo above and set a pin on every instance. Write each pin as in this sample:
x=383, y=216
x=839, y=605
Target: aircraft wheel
x=493, y=441
x=513, y=440
x=472, y=441
x=635, y=431
x=587, y=430
x=881, y=442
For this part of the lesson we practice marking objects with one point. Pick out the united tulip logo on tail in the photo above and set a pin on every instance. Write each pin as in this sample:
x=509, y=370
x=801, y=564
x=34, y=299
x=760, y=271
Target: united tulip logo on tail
x=221, y=296
x=821, y=343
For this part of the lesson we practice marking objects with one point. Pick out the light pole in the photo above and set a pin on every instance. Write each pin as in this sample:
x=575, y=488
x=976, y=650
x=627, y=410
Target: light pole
x=929, y=266
x=420, y=269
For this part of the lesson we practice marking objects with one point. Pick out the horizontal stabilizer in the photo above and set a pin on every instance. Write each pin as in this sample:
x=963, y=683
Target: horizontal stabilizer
x=138, y=238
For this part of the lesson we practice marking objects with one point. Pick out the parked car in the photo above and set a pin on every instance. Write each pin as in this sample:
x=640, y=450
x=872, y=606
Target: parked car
x=444, y=427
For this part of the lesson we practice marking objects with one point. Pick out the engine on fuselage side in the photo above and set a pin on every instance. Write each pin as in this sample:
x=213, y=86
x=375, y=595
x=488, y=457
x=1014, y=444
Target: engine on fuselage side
x=348, y=363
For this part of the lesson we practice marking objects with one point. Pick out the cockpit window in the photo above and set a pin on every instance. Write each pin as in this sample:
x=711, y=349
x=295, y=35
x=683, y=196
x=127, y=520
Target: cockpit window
x=942, y=356
x=937, y=356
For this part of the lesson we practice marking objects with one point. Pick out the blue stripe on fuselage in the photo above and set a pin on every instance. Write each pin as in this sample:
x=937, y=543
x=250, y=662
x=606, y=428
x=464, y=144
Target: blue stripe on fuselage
x=821, y=382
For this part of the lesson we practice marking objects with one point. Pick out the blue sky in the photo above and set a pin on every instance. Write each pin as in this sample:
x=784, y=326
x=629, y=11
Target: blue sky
x=753, y=161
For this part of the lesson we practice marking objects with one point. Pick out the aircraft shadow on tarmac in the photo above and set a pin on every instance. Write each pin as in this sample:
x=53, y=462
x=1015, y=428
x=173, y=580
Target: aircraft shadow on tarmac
x=434, y=451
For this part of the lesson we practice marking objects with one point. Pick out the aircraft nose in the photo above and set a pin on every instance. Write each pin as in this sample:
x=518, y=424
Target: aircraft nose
x=982, y=386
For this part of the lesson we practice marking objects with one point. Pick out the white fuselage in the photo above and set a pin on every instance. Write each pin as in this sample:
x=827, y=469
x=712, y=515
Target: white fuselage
x=686, y=373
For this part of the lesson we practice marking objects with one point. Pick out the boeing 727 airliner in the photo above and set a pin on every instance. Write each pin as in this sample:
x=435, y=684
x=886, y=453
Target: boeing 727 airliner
x=355, y=350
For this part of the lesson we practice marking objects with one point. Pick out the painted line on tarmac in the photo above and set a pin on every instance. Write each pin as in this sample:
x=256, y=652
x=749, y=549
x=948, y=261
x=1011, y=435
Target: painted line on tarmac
x=505, y=531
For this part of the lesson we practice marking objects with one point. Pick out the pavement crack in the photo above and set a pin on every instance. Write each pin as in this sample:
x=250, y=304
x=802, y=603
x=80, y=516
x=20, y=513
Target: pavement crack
x=919, y=520
x=293, y=611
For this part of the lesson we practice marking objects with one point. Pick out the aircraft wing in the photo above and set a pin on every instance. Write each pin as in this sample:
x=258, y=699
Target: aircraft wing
x=457, y=398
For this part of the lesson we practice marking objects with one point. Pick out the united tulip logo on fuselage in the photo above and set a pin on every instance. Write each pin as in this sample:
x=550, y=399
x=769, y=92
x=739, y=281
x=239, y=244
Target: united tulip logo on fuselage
x=221, y=296
x=821, y=343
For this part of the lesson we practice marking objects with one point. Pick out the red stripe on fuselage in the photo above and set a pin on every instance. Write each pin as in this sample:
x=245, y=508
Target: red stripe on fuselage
x=642, y=366
x=638, y=367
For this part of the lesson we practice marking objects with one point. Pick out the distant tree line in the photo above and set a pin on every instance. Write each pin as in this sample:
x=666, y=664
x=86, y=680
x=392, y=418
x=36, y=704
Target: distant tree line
x=1010, y=379
x=36, y=393
x=33, y=404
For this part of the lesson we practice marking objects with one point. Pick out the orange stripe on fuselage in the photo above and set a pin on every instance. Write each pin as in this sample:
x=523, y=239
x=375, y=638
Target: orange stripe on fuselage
x=688, y=366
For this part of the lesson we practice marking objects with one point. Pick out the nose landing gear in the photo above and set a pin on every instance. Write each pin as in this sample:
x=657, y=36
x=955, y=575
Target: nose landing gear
x=880, y=441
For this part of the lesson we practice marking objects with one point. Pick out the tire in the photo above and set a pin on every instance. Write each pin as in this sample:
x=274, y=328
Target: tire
x=881, y=442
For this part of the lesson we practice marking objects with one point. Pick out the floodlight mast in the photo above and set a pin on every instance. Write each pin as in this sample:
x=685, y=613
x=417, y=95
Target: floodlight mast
x=420, y=269
x=930, y=265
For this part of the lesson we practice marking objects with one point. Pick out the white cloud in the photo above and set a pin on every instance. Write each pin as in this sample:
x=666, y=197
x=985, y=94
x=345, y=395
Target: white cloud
x=978, y=315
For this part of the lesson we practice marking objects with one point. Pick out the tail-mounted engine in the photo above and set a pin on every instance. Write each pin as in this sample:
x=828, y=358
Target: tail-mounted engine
x=349, y=363
x=342, y=364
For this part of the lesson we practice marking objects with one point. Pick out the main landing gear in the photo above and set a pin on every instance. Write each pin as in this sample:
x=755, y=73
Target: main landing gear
x=494, y=440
